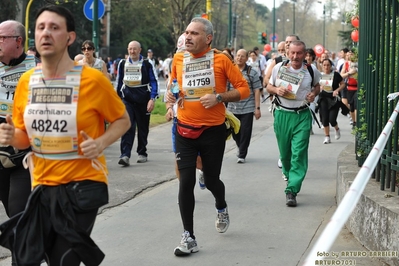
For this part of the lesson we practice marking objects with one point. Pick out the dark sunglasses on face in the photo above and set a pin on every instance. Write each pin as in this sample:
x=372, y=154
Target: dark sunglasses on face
x=87, y=48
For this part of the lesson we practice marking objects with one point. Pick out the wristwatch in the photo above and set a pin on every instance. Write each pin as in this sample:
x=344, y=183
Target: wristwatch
x=219, y=98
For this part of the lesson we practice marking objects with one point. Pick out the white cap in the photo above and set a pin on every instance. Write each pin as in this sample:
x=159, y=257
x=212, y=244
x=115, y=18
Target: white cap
x=181, y=43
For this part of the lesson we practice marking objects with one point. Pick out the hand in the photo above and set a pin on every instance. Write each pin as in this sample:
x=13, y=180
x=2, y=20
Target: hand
x=257, y=114
x=90, y=147
x=169, y=114
x=7, y=131
x=310, y=97
x=281, y=91
x=150, y=105
x=208, y=100
x=170, y=98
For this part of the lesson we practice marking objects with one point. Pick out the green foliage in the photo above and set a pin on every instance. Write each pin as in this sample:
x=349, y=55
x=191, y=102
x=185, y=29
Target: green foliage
x=372, y=63
x=345, y=36
x=159, y=107
x=83, y=27
x=158, y=114
x=8, y=9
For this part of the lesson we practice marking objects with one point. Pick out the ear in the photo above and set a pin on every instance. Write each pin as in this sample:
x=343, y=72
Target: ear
x=71, y=38
x=209, y=38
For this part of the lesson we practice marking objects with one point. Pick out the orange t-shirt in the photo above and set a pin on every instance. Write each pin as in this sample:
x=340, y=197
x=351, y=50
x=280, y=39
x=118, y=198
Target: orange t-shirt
x=193, y=112
x=98, y=101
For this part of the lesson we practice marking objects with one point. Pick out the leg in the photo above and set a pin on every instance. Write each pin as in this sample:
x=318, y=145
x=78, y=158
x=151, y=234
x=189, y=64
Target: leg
x=186, y=156
x=237, y=137
x=5, y=188
x=299, y=149
x=61, y=253
x=245, y=134
x=212, y=145
x=143, y=127
x=324, y=113
x=20, y=188
x=283, y=136
x=127, y=139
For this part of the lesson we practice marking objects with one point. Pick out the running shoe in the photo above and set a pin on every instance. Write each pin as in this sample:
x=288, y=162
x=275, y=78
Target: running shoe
x=279, y=163
x=327, y=140
x=222, y=220
x=201, y=180
x=124, y=160
x=187, y=245
x=337, y=134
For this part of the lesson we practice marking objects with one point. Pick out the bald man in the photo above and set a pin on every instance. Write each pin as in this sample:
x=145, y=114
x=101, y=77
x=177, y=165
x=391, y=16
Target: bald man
x=138, y=88
x=245, y=110
x=288, y=40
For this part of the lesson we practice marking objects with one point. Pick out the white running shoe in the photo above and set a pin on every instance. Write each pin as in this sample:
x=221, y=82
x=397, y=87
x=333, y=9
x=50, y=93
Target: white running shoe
x=327, y=140
x=284, y=178
x=187, y=245
x=222, y=220
x=240, y=160
x=279, y=163
x=201, y=180
x=337, y=134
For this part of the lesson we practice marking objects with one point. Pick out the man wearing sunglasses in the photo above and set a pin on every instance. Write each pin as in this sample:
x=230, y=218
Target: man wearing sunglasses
x=15, y=185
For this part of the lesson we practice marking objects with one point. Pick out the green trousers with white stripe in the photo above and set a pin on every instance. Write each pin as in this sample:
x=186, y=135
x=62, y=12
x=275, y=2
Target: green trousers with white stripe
x=292, y=131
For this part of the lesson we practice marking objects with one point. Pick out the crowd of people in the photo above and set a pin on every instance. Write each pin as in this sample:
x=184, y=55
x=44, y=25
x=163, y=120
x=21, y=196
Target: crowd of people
x=231, y=87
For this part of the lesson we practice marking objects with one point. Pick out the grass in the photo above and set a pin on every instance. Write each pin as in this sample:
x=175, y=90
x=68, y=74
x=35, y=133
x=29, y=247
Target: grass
x=158, y=114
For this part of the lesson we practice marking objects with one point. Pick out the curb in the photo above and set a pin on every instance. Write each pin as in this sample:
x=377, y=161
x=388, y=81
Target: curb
x=375, y=220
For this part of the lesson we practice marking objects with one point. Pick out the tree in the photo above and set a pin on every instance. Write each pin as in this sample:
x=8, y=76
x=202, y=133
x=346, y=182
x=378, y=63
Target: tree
x=9, y=9
x=182, y=13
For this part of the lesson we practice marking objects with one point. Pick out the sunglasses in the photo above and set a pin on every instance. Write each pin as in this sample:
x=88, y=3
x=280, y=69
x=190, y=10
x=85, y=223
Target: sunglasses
x=87, y=48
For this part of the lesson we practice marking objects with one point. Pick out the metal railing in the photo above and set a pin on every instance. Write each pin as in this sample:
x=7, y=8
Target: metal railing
x=352, y=196
x=378, y=77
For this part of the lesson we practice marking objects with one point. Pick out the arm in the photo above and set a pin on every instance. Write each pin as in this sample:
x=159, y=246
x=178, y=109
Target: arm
x=92, y=148
x=119, y=78
x=154, y=88
x=257, y=104
x=9, y=135
x=268, y=73
x=153, y=81
x=105, y=71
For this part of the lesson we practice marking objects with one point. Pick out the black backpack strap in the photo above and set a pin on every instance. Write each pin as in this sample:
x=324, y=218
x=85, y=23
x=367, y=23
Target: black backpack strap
x=311, y=72
x=278, y=59
x=248, y=68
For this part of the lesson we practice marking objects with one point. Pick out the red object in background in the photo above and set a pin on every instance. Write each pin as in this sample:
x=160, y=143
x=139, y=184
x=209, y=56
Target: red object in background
x=267, y=47
x=355, y=22
x=318, y=50
x=205, y=16
x=355, y=35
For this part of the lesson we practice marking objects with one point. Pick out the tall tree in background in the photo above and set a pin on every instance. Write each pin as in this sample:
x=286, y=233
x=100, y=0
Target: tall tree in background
x=182, y=13
x=8, y=9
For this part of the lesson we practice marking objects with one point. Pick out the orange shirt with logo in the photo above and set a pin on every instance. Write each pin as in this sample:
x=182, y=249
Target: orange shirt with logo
x=98, y=101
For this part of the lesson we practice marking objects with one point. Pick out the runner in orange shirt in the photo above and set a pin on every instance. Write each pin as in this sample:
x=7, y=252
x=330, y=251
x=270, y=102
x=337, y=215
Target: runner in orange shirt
x=59, y=113
x=202, y=74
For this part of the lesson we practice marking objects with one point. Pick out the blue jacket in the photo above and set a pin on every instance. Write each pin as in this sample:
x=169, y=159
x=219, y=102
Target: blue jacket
x=147, y=77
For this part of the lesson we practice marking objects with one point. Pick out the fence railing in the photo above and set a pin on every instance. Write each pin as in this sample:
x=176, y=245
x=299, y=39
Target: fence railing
x=378, y=77
x=321, y=249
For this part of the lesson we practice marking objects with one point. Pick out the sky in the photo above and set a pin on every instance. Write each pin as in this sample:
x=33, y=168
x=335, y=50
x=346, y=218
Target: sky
x=269, y=4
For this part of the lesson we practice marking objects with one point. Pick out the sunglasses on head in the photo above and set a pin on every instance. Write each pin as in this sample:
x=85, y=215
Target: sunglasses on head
x=87, y=48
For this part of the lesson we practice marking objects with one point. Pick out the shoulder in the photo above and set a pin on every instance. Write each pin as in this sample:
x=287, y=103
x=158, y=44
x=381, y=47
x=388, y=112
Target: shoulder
x=26, y=76
x=223, y=55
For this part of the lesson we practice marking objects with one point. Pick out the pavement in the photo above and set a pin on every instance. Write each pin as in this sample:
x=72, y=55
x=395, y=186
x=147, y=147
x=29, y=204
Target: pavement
x=141, y=225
